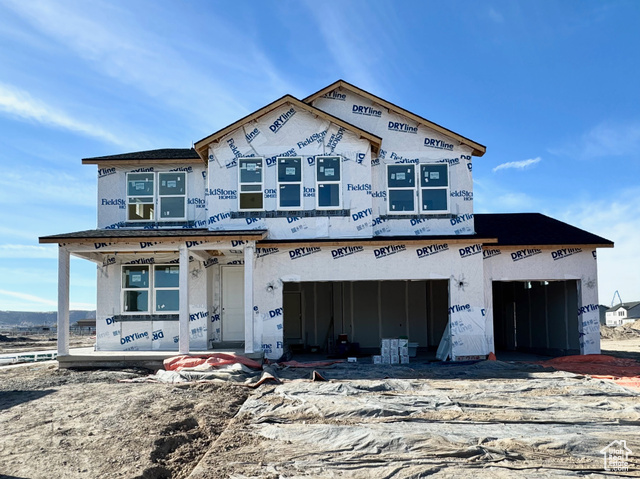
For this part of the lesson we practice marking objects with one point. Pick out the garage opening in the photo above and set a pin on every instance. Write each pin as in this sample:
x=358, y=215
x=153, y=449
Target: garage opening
x=536, y=316
x=316, y=313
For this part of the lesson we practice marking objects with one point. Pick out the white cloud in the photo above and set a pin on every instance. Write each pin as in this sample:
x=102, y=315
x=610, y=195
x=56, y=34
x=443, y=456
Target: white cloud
x=17, y=102
x=162, y=67
x=46, y=187
x=354, y=43
x=30, y=298
x=603, y=140
x=24, y=251
x=495, y=16
x=616, y=220
x=519, y=165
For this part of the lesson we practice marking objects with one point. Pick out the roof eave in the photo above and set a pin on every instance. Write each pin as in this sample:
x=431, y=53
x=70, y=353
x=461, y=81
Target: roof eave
x=202, y=145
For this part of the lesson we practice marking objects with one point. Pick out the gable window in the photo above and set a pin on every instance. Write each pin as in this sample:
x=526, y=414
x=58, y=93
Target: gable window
x=434, y=188
x=250, y=181
x=290, y=183
x=401, y=189
x=328, y=183
x=167, y=191
x=150, y=288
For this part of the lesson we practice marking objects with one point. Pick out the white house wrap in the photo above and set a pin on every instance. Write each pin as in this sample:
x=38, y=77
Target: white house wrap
x=342, y=214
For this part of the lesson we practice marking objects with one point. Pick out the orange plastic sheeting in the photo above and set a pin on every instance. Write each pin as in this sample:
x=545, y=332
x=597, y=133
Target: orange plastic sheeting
x=313, y=364
x=177, y=363
x=625, y=372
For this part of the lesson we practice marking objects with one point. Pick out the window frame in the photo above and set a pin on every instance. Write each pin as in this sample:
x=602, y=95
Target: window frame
x=395, y=188
x=151, y=290
x=299, y=182
x=327, y=182
x=241, y=183
x=130, y=197
x=160, y=196
x=156, y=216
x=423, y=188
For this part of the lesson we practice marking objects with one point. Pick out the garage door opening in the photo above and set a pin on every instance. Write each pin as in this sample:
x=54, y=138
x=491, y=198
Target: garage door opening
x=315, y=313
x=536, y=316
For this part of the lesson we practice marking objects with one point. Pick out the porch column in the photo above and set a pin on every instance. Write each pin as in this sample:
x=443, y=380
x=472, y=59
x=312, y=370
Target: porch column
x=63, y=301
x=249, y=249
x=183, y=334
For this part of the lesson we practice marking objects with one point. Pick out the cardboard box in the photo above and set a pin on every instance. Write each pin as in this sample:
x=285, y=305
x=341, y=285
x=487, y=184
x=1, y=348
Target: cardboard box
x=395, y=359
x=403, y=350
x=403, y=343
x=385, y=359
x=394, y=344
x=377, y=359
x=352, y=360
x=385, y=343
x=404, y=359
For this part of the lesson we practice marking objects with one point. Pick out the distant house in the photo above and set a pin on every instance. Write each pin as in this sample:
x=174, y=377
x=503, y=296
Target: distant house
x=623, y=313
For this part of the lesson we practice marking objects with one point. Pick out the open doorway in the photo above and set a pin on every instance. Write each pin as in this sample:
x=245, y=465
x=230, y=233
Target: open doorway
x=316, y=313
x=536, y=316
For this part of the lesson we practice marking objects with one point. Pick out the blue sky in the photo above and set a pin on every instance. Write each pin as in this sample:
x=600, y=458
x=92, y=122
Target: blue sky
x=550, y=87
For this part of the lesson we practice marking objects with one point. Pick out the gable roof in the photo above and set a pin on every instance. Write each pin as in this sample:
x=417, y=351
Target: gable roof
x=478, y=149
x=534, y=229
x=171, y=154
x=202, y=145
x=627, y=306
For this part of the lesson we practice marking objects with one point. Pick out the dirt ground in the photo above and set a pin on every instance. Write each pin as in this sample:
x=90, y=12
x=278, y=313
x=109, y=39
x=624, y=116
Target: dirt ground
x=18, y=344
x=85, y=424
x=487, y=419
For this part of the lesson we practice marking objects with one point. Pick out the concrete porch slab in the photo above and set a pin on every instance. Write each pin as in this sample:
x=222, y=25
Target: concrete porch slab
x=88, y=358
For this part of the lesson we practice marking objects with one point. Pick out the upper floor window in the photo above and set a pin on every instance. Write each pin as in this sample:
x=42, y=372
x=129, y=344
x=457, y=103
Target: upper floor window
x=434, y=188
x=328, y=182
x=401, y=188
x=250, y=181
x=148, y=193
x=431, y=188
x=150, y=289
x=289, y=183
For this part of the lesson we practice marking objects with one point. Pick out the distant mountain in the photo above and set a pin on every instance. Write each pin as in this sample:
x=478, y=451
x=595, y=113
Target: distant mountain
x=35, y=318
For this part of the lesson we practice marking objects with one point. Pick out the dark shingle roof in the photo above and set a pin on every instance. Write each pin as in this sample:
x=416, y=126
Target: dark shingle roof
x=627, y=306
x=162, y=154
x=535, y=229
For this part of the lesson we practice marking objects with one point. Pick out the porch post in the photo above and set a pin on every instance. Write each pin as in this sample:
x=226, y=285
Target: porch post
x=63, y=301
x=249, y=249
x=183, y=334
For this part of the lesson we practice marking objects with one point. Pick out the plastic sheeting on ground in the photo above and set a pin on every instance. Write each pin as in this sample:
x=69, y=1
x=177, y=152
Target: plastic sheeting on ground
x=625, y=372
x=178, y=363
x=487, y=419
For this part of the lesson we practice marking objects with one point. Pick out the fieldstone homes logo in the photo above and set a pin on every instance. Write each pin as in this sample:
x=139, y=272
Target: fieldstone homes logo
x=616, y=456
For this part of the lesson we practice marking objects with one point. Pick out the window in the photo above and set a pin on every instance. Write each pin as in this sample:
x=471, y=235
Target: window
x=434, y=188
x=328, y=183
x=250, y=178
x=401, y=189
x=138, y=286
x=170, y=195
x=290, y=183
x=140, y=196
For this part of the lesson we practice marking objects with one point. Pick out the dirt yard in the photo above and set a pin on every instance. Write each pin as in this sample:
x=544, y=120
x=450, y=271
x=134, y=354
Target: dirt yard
x=18, y=344
x=486, y=419
x=85, y=424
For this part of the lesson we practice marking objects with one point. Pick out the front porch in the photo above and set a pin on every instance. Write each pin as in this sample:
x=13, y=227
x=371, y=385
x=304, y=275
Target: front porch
x=172, y=265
